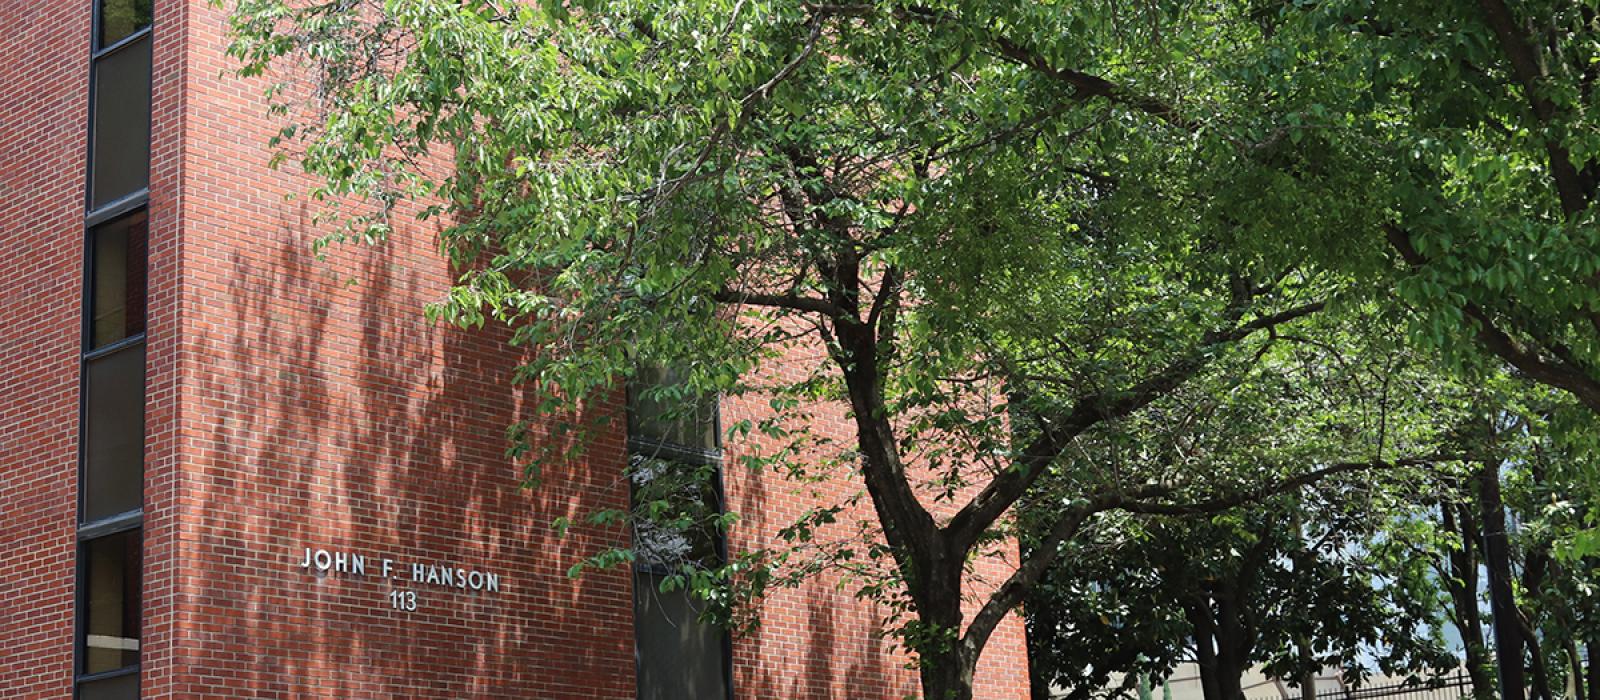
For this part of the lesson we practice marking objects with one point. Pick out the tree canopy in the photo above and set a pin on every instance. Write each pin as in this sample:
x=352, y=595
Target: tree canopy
x=1024, y=235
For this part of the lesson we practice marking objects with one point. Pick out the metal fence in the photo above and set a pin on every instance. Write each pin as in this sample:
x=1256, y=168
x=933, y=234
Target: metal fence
x=1451, y=687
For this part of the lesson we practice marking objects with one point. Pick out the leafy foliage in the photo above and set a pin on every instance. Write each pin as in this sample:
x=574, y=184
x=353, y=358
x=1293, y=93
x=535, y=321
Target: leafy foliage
x=1034, y=243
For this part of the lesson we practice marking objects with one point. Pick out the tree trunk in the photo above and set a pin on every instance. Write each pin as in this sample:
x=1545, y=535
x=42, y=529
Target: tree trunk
x=1535, y=569
x=932, y=571
x=1230, y=679
x=1205, y=651
x=1541, y=672
x=1233, y=646
x=1308, y=686
x=1502, y=601
x=947, y=662
x=1592, y=648
x=946, y=676
x=1463, y=587
x=1308, y=679
x=1576, y=663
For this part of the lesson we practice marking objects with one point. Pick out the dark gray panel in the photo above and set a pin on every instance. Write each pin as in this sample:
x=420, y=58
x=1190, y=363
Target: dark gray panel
x=120, y=154
x=678, y=657
x=119, y=688
x=113, y=434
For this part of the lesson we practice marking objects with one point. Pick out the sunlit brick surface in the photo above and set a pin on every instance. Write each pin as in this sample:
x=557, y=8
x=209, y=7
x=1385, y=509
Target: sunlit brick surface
x=302, y=403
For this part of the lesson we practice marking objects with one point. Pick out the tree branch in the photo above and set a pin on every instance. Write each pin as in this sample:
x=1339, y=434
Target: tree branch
x=1558, y=374
x=747, y=106
x=968, y=525
x=1138, y=500
x=792, y=302
x=1087, y=86
x=1525, y=66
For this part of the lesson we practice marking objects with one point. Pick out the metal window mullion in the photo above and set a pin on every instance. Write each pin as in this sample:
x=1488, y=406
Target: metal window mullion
x=117, y=208
x=112, y=525
x=675, y=452
x=119, y=44
x=132, y=341
x=82, y=678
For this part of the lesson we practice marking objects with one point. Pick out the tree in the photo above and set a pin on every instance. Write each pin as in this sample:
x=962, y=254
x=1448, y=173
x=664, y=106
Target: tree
x=694, y=185
x=1491, y=528
x=1294, y=584
x=1007, y=225
x=1233, y=593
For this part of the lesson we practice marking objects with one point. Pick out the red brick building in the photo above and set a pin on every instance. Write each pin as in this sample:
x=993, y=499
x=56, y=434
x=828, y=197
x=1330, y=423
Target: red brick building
x=231, y=470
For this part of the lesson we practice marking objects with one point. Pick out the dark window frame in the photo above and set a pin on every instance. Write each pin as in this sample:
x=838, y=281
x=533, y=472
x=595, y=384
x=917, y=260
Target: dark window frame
x=661, y=449
x=89, y=353
x=107, y=675
x=125, y=205
x=96, y=56
x=116, y=523
x=118, y=45
x=116, y=209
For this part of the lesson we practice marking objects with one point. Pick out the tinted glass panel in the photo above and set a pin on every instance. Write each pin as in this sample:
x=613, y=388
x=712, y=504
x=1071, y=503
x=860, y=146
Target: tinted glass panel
x=119, y=688
x=111, y=610
x=113, y=471
x=120, y=18
x=675, y=505
x=120, y=156
x=118, y=300
x=678, y=657
x=661, y=409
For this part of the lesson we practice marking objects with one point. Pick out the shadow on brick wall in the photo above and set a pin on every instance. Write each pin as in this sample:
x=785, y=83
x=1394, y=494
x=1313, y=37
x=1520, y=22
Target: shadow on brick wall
x=325, y=412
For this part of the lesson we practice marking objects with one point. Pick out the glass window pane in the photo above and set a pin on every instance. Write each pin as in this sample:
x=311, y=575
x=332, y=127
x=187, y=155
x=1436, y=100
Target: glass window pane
x=113, y=471
x=119, y=18
x=661, y=409
x=111, y=597
x=678, y=657
x=119, y=688
x=118, y=298
x=120, y=156
x=675, y=506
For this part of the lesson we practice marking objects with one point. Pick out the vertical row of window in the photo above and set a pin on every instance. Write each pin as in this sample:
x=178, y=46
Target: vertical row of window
x=111, y=453
x=675, y=467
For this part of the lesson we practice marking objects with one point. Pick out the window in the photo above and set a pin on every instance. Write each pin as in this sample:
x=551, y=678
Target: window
x=119, y=141
x=661, y=411
x=111, y=613
x=679, y=657
x=112, y=429
x=117, y=284
x=120, y=19
x=113, y=445
x=680, y=495
x=675, y=473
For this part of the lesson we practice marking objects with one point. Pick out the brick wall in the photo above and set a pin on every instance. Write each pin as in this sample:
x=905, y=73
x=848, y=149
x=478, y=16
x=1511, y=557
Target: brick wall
x=319, y=409
x=298, y=403
x=819, y=641
x=43, y=103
